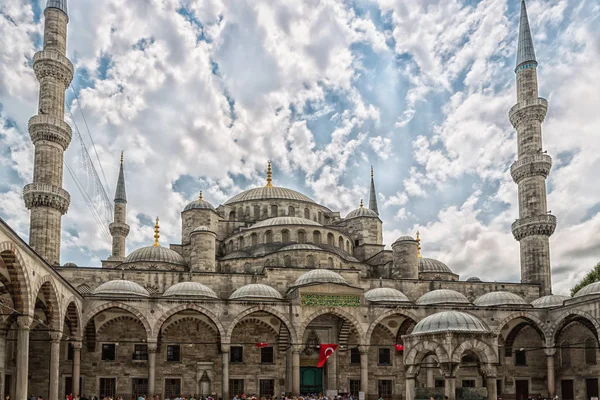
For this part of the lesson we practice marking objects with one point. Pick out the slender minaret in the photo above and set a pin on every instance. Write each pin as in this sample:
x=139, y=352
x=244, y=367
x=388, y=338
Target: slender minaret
x=373, y=194
x=50, y=135
x=119, y=228
x=535, y=224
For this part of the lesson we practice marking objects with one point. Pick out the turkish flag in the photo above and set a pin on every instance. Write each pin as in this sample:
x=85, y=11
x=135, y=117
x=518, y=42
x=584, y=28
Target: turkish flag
x=261, y=345
x=326, y=352
x=399, y=347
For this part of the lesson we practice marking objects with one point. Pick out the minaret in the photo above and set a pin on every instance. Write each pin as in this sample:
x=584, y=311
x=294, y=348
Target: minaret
x=50, y=135
x=535, y=224
x=373, y=194
x=119, y=228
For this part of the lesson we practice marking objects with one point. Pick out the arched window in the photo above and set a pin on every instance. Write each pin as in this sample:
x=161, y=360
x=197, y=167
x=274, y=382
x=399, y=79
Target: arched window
x=268, y=237
x=590, y=351
x=310, y=261
x=287, y=261
x=256, y=212
x=301, y=237
x=240, y=213
x=285, y=235
x=317, y=237
x=330, y=262
x=341, y=243
x=306, y=213
x=330, y=239
x=273, y=210
x=347, y=246
x=254, y=238
x=565, y=354
x=291, y=211
x=232, y=216
x=241, y=242
x=320, y=218
x=247, y=212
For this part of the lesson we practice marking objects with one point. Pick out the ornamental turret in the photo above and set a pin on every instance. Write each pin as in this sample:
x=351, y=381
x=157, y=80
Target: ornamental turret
x=51, y=135
x=119, y=228
x=535, y=224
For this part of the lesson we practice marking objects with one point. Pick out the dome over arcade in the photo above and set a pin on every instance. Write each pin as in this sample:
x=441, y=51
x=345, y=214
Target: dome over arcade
x=474, y=279
x=497, y=299
x=404, y=239
x=442, y=296
x=386, y=295
x=362, y=212
x=190, y=289
x=121, y=287
x=153, y=254
x=256, y=291
x=199, y=204
x=450, y=321
x=301, y=246
x=285, y=221
x=551, y=300
x=70, y=265
x=431, y=265
x=269, y=193
x=317, y=276
x=592, y=288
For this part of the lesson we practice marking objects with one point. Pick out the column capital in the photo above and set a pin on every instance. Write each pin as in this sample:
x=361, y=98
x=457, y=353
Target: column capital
x=55, y=336
x=225, y=347
x=152, y=347
x=490, y=371
x=550, y=351
x=364, y=350
x=297, y=348
x=412, y=371
x=77, y=344
x=24, y=322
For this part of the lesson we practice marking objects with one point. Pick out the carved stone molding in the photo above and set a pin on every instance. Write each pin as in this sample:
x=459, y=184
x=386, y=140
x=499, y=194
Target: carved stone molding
x=536, y=225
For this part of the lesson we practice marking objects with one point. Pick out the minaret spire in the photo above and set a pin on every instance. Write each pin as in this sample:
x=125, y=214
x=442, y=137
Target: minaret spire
x=373, y=194
x=535, y=224
x=51, y=136
x=119, y=228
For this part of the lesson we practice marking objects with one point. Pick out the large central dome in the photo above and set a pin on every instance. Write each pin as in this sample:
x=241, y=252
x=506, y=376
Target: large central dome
x=267, y=193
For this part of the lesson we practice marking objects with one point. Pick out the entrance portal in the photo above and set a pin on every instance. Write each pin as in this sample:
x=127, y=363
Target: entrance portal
x=311, y=380
x=522, y=389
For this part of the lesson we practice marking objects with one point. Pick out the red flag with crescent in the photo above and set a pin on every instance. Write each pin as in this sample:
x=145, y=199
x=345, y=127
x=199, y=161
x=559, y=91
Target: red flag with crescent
x=261, y=345
x=326, y=352
x=399, y=347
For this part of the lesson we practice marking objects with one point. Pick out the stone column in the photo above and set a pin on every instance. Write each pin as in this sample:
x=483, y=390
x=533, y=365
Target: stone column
x=450, y=386
x=23, y=325
x=364, y=369
x=490, y=373
x=289, y=371
x=430, y=381
x=2, y=360
x=410, y=387
x=550, y=371
x=225, y=350
x=152, y=348
x=55, y=337
x=76, y=367
x=296, y=371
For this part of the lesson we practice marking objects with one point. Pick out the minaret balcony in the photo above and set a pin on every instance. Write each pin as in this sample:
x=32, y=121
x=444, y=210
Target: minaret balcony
x=46, y=127
x=531, y=165
x=51, y=63
x=536, y=225
x=45, y=195
x=534, y=109
x=118, y=229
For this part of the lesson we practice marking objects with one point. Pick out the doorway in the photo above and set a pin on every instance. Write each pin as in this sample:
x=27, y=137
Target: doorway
x=311, y=380
x=566, y=389
x=591, y=388
x=522, y=389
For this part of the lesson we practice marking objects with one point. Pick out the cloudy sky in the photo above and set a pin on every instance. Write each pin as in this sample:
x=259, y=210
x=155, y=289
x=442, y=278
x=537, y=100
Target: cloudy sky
x=201, y=93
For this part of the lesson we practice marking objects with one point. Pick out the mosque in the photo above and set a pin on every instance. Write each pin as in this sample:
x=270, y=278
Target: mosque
x=269, y=285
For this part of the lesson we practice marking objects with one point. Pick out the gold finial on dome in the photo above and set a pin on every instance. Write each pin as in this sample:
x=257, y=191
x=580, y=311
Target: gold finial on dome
x=121, y=156
x=269, y=175
x=156, y=234
x=418, y=244
x=200, y=196
x=372, y=171
x=361, y=203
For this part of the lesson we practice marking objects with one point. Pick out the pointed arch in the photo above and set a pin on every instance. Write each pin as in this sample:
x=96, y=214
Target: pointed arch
x=424, y=348
x=72, y=313
x=10, y=257
x=567, y=317
x=390, y=313
x=530, y=319
x=47, y=287
x=483, y=350
x=338, y=313
x=251, y=310
x=118, y=305
x=184, y=307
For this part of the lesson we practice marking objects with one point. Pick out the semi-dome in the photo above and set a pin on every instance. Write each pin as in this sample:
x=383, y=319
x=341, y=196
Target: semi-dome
x=362, y=212
x=256, y=291
x=496, y=299
x=592, y=288
x=551, y=300
x=121, y=287
x=268, y=193
x=442, y=296
x=155, y=254
x=301, y=246
x=189, y=289
x=450, y=321
x=285, y=221
x=317, y=276
x=431, y=265
x=474, y=279
x=386, y=295
x=404, y=239
x=199, y=204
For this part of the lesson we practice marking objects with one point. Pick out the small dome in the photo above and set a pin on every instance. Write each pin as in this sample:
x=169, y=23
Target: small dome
x=317, y=276
x=269, y=192
x=386, y=295
x=301, y=246
x=442, y=296
x=190, y=289
x=552, y=300
x=474, y=279
x=450, y=321
x=201, y=228
x=70, y=264
x=256, y=291
x=362, y=212
x=431, y=265
x=404, y=239
x=592, y=288
x=496, y=299
x=285, y=221
x=121, y=287
x=155, y=254
x=199, y=205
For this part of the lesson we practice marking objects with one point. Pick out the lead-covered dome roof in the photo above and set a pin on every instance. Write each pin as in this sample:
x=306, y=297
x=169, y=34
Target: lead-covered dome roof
x=474, y=279
x=268, y=193
x=449, y=321
x=256, y=291
x=301, y=246
x=551, y=300
x=317, y=276
x=155, y=254
x=362, y=212
x=497, y=299
x=199, y=205
x=285, y=221
x=190, y=289
x=431, y=265
x=442, y=296
x=404, y=239
x=592, y=288
x=386, y=295
x=121, y=287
